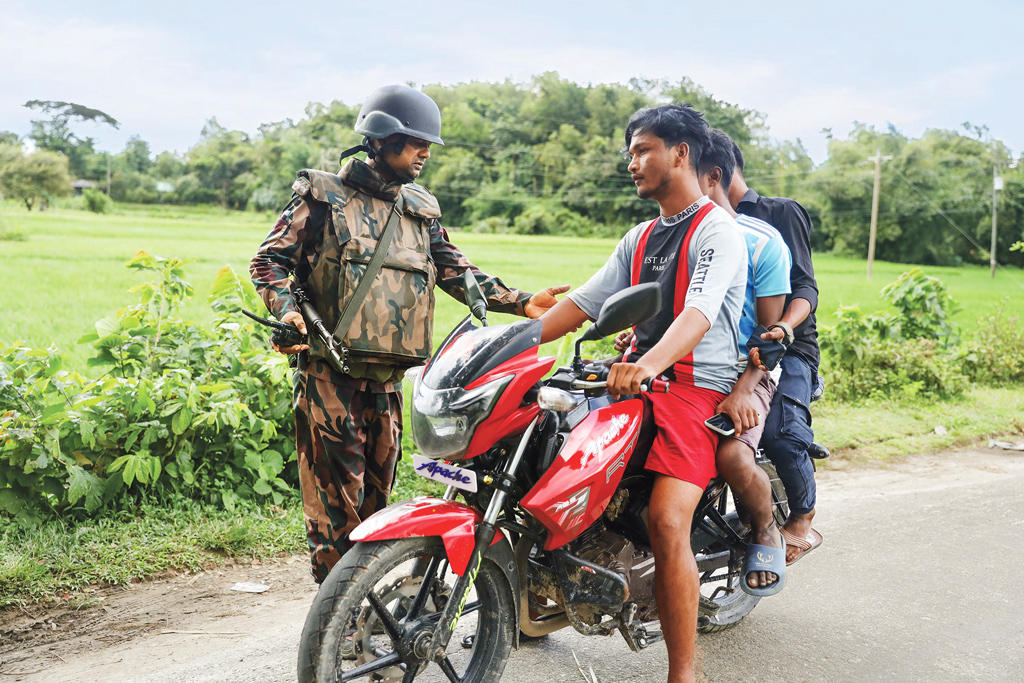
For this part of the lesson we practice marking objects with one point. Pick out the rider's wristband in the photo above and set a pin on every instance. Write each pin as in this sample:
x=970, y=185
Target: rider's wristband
x=788, y=336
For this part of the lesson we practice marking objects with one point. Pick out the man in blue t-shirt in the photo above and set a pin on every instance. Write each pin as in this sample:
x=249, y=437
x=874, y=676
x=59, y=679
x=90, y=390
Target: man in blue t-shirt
x=768, y=272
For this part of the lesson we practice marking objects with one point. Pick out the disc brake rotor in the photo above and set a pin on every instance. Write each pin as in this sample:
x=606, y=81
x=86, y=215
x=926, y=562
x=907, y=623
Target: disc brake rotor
x=369, y=625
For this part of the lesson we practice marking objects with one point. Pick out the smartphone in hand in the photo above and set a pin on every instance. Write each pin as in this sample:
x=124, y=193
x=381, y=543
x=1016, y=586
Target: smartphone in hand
x=771, y=351
x=720, y=423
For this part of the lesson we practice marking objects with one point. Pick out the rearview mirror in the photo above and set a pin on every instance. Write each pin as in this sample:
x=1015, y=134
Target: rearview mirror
x=475, y=297
x=625, y=309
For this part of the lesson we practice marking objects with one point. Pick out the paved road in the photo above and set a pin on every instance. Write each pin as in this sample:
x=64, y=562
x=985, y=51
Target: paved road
x=919, y=579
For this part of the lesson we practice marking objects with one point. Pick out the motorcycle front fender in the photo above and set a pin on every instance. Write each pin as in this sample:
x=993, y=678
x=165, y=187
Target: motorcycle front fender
x=454, y=522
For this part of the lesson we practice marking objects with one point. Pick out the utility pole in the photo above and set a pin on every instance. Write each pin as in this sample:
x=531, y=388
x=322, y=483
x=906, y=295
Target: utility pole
x=878, y=159
x=997, y=184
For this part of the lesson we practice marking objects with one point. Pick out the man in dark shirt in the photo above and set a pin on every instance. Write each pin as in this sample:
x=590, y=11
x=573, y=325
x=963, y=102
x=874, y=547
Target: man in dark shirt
x=787, y=433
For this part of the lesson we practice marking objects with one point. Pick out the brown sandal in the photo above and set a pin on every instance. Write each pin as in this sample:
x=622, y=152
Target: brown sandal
x=802, y=544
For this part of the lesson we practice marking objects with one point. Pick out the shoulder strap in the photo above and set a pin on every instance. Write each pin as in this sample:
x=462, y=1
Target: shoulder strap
x=383, y=244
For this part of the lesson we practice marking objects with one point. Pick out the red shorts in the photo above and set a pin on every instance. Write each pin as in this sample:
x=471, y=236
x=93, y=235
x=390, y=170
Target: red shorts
x=684, y=448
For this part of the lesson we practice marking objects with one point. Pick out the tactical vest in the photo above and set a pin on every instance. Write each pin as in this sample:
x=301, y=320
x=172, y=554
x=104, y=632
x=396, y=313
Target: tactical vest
x=394, y=325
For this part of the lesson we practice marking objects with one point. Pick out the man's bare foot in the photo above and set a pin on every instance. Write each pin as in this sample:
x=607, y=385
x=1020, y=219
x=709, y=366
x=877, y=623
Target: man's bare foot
x=770, y=537
x=799, y=527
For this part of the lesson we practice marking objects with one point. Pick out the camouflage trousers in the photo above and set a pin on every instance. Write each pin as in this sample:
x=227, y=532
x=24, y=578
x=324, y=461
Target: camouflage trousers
x=349, y=441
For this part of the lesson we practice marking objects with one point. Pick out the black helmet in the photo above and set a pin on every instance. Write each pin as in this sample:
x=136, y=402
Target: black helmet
x=399, y=109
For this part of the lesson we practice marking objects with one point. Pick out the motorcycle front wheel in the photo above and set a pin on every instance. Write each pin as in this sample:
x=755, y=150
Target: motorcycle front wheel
x=344, y=638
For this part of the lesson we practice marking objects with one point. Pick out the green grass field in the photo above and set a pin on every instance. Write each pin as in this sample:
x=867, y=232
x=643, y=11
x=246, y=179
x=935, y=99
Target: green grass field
x=70, y=273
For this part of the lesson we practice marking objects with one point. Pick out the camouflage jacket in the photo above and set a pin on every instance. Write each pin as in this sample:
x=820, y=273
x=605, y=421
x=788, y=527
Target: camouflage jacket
x=330, y=228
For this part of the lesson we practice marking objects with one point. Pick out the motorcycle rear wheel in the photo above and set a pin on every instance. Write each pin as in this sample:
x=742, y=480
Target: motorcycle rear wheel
x=725, y=605
x=341, y=618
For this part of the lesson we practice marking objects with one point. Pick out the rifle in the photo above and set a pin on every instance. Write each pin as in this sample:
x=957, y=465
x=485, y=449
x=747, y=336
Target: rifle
x=287, y=334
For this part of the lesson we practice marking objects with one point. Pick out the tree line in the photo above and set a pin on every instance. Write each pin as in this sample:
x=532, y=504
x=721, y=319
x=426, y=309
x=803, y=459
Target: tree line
x=545, y=157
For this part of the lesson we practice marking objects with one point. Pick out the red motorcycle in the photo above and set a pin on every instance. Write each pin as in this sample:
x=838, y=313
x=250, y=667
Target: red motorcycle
x=551, y=530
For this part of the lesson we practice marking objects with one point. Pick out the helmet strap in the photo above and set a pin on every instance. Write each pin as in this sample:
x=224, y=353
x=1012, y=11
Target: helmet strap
x=365, y=146
x=396, y=147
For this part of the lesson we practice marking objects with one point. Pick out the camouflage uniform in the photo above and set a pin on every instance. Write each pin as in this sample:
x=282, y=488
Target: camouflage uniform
x=348, y=427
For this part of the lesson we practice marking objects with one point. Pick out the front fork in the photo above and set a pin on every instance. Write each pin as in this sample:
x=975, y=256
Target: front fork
x=484, y=537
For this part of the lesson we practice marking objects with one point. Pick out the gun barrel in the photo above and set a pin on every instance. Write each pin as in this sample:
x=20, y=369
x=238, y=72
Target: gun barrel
x=314, y=320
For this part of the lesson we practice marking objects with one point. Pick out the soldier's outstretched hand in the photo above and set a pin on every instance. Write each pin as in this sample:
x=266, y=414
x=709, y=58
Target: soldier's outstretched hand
x=543, y=300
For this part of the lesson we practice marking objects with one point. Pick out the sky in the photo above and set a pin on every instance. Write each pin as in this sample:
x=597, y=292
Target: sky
x=163, y=69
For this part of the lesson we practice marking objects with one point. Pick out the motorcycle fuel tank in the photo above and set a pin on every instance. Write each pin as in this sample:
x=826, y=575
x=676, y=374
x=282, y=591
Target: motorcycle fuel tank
x=578, y=486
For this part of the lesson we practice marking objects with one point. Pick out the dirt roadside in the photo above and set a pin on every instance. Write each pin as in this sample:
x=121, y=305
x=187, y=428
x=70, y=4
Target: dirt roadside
x=132, y=631
x=195, y=628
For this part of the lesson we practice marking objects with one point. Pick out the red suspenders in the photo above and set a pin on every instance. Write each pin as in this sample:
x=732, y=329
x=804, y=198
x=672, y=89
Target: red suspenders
x=683, y=367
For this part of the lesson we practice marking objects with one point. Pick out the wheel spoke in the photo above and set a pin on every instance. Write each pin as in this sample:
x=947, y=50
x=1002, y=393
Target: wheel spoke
x=368, y=668
x=471, y=607
x=386, y=617
x=449, y=670
x=424, y=591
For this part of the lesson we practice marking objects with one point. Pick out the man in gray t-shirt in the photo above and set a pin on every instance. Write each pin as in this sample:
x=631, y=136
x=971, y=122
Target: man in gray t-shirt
x=698, y=257
x=716, y=273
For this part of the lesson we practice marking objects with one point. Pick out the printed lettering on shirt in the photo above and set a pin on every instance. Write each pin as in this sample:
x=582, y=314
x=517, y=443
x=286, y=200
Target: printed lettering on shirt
x=700, y=271
x=659, y=263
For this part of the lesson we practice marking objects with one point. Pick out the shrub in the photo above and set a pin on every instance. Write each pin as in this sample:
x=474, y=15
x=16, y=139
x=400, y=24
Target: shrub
x=185, y=409
x=493, y=224
x=265, y=199
x=894, y=369
x=995, y=354
x=923, y=307
x=96, y=201
x=541, y=219
x=908, y=351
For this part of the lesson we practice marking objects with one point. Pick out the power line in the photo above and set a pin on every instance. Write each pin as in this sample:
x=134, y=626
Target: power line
x=953, y=223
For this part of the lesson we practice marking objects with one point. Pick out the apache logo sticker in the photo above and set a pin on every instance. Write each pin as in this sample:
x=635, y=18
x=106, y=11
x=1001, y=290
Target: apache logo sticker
x=444, y=473
x=596, y=445
x=573, y=508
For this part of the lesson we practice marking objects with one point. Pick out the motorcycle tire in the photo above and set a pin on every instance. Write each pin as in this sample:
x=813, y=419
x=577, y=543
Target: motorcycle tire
x=729, y=607
x=340, y=614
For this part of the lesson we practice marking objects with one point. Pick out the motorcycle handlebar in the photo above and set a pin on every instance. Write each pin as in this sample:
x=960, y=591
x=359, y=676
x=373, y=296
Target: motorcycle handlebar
x=654, y=386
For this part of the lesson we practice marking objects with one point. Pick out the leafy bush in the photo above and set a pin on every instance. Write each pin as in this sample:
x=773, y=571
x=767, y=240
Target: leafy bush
x=995, y=354
x=185, y=409
x=265, y=199
x=541, y=219
x=915, y=349
x=923, y=307
x=189, y=190
x=96, y=201
x=493, y=224
x=908, y=350
x=894, y=369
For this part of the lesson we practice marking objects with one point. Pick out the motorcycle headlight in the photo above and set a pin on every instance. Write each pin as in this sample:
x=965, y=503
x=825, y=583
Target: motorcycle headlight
x=444, y=420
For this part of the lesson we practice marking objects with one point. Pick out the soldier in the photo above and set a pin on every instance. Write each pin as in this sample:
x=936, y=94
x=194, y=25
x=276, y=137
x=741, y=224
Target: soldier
x=348, y=417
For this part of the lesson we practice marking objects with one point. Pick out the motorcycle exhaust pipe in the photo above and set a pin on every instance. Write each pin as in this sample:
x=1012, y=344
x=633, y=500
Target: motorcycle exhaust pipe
x=545, y=624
